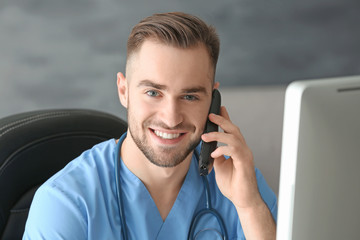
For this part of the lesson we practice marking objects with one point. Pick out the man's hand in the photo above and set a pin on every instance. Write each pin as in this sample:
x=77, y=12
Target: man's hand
x=236, y=177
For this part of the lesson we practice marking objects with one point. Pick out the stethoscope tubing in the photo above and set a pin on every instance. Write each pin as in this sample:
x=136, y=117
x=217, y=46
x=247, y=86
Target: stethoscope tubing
x=124, y=234
x=207, y=210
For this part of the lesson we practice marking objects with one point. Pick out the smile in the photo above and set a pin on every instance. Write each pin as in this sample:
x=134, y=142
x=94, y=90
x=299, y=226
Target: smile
x=166, y=135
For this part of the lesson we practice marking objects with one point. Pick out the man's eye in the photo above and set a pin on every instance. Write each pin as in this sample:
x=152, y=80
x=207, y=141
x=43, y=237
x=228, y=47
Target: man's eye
x=190, y=97
x=152, y=93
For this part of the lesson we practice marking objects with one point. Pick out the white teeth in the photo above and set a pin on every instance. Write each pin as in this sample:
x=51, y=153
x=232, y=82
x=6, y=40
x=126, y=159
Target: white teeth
x=166, y=135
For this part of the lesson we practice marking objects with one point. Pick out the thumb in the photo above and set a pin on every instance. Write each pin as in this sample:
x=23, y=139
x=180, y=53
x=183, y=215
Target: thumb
x=219, y=161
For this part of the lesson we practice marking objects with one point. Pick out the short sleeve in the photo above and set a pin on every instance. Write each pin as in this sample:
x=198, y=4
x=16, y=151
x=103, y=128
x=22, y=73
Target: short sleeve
x=267, y=194
x=53, y=215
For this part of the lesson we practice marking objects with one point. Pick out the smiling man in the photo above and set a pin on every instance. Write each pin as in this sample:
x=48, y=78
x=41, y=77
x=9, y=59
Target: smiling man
x=155, y=191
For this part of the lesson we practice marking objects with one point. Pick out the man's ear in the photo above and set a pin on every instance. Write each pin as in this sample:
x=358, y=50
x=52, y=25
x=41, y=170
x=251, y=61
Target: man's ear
x=216, y=85
x=122, y=86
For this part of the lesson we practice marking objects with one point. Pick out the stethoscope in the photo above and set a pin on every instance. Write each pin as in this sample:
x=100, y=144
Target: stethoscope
x=207, y=210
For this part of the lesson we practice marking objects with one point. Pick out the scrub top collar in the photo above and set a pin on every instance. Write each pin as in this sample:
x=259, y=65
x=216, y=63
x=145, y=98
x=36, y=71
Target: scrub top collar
x=142, y=213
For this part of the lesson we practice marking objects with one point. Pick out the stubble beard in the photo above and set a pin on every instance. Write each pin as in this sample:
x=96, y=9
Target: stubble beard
x=166, y=157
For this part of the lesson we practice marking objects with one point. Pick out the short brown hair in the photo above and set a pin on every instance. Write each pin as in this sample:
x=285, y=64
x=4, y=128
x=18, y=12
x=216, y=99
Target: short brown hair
x=175, y=29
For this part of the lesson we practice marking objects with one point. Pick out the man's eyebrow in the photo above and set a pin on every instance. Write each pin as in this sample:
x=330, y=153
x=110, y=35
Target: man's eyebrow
x=149, y=83
x=195, y=90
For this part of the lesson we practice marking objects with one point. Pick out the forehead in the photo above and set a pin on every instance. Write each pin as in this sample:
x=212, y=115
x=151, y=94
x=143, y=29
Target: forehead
x=171, y=66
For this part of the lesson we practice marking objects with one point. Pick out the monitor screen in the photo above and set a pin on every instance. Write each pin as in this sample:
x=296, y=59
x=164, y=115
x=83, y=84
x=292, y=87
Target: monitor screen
x=319, y=191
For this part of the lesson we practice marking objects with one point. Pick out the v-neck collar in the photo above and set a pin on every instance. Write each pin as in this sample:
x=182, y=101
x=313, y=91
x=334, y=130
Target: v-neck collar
x=143, y=218
x=180, y=216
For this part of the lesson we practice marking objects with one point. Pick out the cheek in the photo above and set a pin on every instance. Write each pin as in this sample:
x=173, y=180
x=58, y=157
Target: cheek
x=140, y=109
x=199, y=116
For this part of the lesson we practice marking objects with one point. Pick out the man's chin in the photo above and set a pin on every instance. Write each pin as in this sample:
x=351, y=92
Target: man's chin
x=166, y=155
x=167, y=159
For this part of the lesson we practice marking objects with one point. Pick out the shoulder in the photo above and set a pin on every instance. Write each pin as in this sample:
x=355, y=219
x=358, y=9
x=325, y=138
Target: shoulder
x=48, y=206
x=91, y=171
x=77, y=190
x=91, y=164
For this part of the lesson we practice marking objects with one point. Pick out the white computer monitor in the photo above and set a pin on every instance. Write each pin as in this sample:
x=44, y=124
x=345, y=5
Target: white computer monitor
x=319, y=191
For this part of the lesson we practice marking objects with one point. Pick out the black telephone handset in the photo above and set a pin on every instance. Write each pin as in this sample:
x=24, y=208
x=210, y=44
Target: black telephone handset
x=205, y=160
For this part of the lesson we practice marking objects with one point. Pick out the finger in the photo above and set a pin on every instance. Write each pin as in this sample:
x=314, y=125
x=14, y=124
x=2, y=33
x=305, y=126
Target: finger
x=223, y=123
x=244, y=156
x=226, y=125
x=221, y=137
x=219, y=161
x=221, y=151
x=222, y=166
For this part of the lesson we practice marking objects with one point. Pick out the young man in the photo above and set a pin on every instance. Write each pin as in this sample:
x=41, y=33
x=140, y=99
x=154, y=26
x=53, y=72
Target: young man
x=167, y=91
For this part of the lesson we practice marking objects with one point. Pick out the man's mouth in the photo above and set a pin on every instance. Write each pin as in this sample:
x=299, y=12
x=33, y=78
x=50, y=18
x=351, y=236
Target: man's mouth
x=165, y=135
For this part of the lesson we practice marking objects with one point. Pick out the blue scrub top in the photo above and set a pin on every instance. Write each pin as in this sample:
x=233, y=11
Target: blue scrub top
x=80, y=202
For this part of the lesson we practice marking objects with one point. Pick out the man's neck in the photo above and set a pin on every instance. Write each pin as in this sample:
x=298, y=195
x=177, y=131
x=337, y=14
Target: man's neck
x=162, y=183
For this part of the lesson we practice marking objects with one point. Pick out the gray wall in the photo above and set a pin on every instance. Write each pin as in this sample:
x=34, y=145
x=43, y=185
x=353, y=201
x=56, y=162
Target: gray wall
x=258, y=112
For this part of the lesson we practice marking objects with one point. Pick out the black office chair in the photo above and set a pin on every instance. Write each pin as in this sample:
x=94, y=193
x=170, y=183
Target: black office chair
x=34, y=146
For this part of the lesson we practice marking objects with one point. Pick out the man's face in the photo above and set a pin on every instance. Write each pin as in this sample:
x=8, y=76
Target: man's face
x=168, y=98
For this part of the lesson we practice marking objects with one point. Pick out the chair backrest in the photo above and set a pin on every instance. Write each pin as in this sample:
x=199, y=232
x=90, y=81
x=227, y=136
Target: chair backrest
x=34, y=146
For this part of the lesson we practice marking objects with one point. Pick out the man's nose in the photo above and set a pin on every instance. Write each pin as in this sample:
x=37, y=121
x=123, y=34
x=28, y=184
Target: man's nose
x=171, y=114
